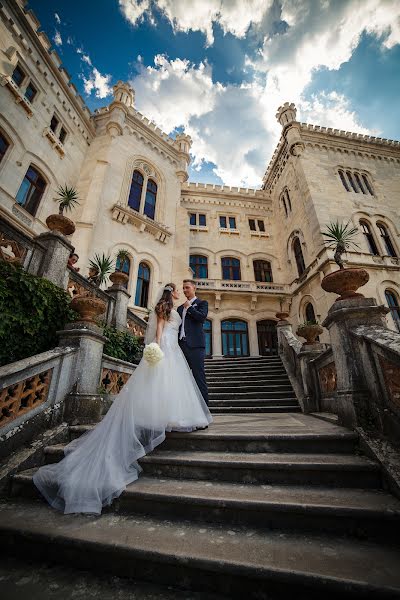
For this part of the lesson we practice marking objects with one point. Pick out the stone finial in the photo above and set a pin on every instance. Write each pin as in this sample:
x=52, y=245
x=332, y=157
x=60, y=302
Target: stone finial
x=124, y=93
x=286, y=114
x=183, y=143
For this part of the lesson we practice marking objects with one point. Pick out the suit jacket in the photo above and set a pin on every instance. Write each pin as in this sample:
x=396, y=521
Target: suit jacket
x=195, y=316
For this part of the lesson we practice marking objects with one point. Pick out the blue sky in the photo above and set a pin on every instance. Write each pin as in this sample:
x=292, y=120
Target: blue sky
x=219, y=69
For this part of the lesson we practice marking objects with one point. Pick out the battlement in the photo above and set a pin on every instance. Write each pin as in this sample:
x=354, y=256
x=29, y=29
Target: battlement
x=224, y=189
x=349, y=134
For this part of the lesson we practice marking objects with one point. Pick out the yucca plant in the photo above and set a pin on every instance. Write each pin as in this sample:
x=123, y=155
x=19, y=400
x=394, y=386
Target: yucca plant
x=340, y=238
x=67, y=198
x=104, y=265
x=122, y=256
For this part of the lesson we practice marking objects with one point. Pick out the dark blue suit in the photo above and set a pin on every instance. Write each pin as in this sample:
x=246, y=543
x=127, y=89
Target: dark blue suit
x=193, y=346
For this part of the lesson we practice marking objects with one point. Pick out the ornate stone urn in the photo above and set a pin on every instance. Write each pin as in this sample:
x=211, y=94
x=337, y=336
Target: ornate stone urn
x=282, y=316
x=345, y=282
x=88, y=307
x=61, y=224
x=119, y=278
x=309, y=332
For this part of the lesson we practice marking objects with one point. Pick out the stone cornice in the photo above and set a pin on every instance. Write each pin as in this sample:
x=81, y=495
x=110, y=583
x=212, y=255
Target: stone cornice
x=125, y=215
x=219, y=195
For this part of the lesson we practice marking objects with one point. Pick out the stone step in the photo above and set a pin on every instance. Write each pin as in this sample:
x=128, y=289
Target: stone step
x=250, y=409
x=361, y=513
x=236, y=561
x=263, y=393
x=268, y=468
x=340, y=441
x=253, y=387
x=243, y=360
x=241, y=373
x=288, y=402
x=251, y=380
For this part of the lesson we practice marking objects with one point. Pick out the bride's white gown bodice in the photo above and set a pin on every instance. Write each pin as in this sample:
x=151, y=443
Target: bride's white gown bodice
x=100, y=464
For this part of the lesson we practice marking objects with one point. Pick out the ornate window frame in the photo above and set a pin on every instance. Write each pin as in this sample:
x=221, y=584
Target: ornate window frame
x=148, y=171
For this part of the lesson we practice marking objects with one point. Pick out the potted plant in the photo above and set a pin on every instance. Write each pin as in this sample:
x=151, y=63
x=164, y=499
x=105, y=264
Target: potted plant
x=344, y=282
x=119, y=277
x=67, y=198
x=87, y=305
x=282, y=315
x=309, y=330
x=100, y=268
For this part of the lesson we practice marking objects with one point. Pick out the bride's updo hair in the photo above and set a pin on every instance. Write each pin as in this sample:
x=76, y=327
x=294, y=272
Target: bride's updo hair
x=166, y=302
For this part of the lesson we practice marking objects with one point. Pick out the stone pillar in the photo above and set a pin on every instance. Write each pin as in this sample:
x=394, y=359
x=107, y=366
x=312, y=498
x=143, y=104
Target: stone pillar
x=84, y=404
x=121, y=296
x=343, y=316
x=216, y=337
x=50, y=257
x=253, y=339
x=309, y=352
x=282, y=326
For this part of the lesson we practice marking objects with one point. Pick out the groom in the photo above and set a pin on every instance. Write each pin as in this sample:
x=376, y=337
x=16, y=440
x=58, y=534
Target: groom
x=191, y=335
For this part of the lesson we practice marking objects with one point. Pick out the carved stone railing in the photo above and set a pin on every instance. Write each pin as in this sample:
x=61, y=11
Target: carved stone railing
x=325, y=381
x=114, y=374
x=77, y=284
x=241, y=286
x=135, y=324
x=32, y=391
x=14, y=244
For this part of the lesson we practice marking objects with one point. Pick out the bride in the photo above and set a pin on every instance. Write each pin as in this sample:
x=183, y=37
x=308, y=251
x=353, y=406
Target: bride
x=99, y=465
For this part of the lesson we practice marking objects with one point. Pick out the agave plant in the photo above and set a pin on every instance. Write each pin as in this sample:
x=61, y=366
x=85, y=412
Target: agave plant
x=122, y=256
x=67, y=198
x=104, y=265
x=340, y=238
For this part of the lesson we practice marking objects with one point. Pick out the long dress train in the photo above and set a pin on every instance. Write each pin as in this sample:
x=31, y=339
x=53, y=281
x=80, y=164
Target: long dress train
x=99, y=465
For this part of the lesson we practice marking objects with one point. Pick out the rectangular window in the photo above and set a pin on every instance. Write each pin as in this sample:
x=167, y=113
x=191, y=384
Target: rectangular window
x=31, y=190
x=261, y=225
x=232, y=222
x=54, y=123
x=222, y=222
x=18, y=75
x=252, y=224
x=192, y=219
x=30, y=92
x=63, y=135
x=3, y=146
x=202, y=220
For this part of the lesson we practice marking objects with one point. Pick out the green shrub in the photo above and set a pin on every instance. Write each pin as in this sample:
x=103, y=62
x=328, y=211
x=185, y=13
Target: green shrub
x=32, y=309
x=121, y=344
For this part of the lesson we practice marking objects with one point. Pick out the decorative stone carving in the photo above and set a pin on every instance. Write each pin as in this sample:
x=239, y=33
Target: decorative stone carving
x=20, y=398
x=113, y=381
x=11, y=251
x=328, y=378
x=345, y=282
x=391, y=375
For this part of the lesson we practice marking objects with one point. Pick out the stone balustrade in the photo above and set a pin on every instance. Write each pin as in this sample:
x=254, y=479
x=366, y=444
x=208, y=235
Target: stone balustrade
x=241, y=286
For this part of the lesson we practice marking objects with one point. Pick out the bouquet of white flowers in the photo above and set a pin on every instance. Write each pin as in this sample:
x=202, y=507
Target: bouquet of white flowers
x=153, y=353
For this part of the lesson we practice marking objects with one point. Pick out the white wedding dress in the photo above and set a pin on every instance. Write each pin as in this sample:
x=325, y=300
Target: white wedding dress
x=101, y=463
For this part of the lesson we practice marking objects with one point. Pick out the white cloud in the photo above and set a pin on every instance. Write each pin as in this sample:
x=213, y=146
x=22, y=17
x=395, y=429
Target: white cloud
x=98, y=83
x=57, y=18
x=84, y=57
x=57, y=39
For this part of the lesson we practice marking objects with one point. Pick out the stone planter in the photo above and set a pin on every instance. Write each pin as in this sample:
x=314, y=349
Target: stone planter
x=309, y=332
x=119, y=278
x=61, y=224
x=88, y=307
x=345, y=282
x=282, y=316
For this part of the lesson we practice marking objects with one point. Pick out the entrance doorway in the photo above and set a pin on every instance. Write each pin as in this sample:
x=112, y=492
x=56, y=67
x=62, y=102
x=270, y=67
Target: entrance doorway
x=235, y=338
x=267, y=338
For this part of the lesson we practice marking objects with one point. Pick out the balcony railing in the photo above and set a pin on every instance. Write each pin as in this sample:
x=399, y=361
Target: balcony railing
x=241, y=286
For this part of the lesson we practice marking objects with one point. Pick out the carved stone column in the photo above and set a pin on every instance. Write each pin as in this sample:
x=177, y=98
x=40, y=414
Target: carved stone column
x=50, y=257
x=216, y=337
x=119, y=318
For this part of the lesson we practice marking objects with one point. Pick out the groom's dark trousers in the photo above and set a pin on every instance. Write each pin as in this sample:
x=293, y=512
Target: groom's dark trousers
x=193, y=345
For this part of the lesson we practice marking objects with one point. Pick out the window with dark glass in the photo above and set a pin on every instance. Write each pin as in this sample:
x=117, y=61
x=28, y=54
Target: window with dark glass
x=298, y=254
x=261, y=225
x=30, y=92
x=289, y=203
x=135, y=193
x=252, y=224
x=124, y=266
x=370, y=238
x=54, y=123
x=367, y=184
x=202, y=220
x=351, y=181
x=344, y=181
x=232, y=222
x=386, y=240
x=142, y=286
x=284, y=205
x=192, y=219
x=222, y=222
x=199, y=266
x=235, y=338
x=231, y=268
x=360, y=185
x=63, y=135
x=207, y=328
x=18, y=75
x=262, y=270
x=310, y=314
x=4, y=145
x=393, y=304
x=31, y=190
x=150, y=200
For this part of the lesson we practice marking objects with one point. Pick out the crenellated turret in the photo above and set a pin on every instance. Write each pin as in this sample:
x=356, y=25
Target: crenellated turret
x=183, y=144
x=124, y=98
x=286, y=116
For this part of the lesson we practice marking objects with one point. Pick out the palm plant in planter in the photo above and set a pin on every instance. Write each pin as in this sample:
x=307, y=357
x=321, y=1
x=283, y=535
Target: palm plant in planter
x=119, y=277
x=344, y=282
x=67, y=198
x=103, y=266
x=309, y=330
x=87, y=305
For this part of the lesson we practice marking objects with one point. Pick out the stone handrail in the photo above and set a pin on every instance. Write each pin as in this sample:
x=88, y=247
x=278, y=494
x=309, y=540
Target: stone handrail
x=78, y=284
x=289, y=347
x=135, y=324
x=114, y=374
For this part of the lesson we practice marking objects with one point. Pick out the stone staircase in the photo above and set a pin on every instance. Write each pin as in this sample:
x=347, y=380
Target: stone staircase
x=249, y=385
x=262, y=505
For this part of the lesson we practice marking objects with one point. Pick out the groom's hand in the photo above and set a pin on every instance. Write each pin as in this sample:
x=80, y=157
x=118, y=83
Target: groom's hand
x=187, y=304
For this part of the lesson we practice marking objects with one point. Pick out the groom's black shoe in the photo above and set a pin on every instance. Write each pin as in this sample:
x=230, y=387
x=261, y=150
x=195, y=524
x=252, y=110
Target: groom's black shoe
x=201, y=428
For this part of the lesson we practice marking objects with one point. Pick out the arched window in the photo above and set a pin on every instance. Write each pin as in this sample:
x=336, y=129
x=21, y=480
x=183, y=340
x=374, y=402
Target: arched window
x=369, y=237
x=310, y=314
x=199, y=266
x=352, y=182
x=4, y=145
x=235, y=338
x=289, y=203
x=386, y=240
x=150, y=200
x=284, y=205
x=231, y=268
x=298, y=254
x=286, y=202
x=360, y=185
x=344, y=181
x=393, y=304
x=31, y=190
x=367, y=184
x=124, y=267
x=262, y=270
x=135, y=193
x=143, y=285
x=207, y=328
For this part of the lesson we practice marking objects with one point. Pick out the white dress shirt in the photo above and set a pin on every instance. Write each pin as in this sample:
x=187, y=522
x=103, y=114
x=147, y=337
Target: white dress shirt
x=183, y=334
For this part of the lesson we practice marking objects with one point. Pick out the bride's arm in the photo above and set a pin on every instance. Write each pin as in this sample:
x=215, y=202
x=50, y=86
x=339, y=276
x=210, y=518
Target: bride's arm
x=160, y=327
